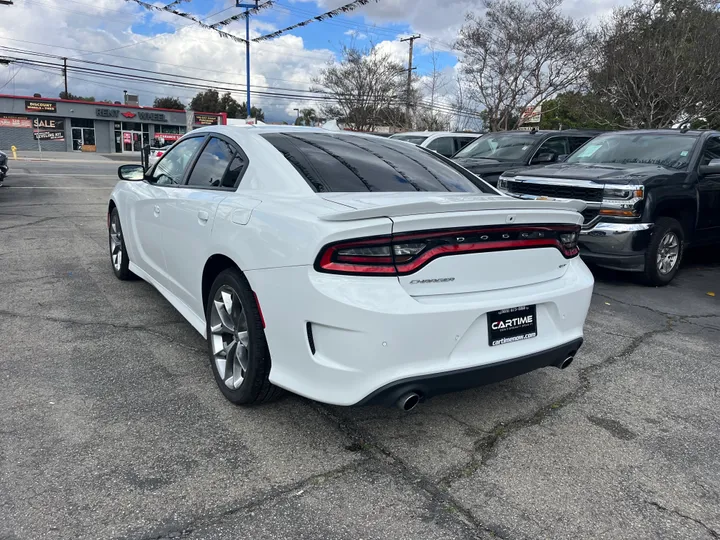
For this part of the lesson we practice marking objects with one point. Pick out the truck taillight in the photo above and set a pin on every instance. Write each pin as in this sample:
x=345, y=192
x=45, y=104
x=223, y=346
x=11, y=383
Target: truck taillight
x=403, y=254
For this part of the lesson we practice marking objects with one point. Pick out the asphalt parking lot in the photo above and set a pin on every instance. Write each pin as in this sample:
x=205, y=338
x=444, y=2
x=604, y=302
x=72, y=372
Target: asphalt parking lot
x=111, y=425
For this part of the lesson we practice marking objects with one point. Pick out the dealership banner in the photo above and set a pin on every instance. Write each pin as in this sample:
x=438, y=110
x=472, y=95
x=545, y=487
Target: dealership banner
x=49, y=135
x=40, y=106
x=48, y=124
x=7, y=120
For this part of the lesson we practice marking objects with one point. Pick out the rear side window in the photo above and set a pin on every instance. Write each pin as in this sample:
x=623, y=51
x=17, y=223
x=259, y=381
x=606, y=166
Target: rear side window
x=341, y=162
x=443, y=146
x=210, y=169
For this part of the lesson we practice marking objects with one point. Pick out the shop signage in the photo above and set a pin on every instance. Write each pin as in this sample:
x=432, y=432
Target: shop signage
x=107, y=113
x=49, y=135
x=15, y=121
x=129, y=114
x=127, y=137
x=48, y=124
x=206, y=120
x=168, y=136
x=152, y=117
x=40, y=106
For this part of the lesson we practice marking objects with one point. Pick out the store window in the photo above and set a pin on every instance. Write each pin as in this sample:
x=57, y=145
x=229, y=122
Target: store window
x=83, y=134
x=167, y=135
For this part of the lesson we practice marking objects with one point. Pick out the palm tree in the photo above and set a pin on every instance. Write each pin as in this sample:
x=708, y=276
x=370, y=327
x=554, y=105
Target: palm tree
x=307, y=117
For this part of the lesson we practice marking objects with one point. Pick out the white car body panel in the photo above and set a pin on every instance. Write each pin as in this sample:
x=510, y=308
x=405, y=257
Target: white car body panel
x=369, y=331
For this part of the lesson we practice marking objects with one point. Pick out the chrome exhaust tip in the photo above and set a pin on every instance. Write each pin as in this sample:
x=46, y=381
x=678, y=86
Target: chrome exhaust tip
x=408, y=402
x=566, y=363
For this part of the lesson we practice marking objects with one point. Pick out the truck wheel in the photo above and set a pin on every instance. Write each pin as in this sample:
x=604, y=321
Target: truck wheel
x=665, y=252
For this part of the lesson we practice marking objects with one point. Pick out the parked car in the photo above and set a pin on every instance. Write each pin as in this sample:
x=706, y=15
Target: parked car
x=349, y=269
x=650, y=194
x=3, y=166
x=445, y=143
x=494, y=153
x=157, y=150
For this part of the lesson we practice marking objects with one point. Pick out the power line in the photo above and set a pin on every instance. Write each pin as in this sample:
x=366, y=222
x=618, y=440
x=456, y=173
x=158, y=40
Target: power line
x=329, y=14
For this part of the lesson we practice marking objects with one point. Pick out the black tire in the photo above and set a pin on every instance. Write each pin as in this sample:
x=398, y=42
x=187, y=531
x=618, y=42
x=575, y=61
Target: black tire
x=256, y=387
x=117, y=239
x=655, y=275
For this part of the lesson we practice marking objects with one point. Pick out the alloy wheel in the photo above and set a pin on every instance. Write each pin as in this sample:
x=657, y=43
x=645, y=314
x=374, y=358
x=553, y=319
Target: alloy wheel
x=668, y=253
x=229, y=337
x=116, y=252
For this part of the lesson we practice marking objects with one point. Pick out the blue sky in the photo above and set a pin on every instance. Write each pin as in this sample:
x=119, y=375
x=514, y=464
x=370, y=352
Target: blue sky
x=122, y=33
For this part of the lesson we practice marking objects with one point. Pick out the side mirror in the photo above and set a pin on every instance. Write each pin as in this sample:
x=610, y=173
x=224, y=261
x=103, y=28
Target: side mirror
x=543, y=158
x=131, y=172
x=562, y=157
x=711, y=168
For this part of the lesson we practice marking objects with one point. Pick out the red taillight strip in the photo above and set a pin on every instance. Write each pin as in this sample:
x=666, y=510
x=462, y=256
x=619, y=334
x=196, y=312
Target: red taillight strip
x=364, y=265
x=504, y=245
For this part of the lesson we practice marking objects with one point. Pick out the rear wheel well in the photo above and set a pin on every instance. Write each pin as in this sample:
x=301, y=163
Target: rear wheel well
x=213, y=267
x=684, y=213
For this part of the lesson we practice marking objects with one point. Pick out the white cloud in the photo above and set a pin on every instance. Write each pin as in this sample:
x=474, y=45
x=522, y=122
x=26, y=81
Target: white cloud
x=355, y=34
x=284, y=63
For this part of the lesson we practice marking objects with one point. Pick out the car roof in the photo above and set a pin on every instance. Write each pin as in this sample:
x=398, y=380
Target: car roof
x=430, y=133
x=666, y=131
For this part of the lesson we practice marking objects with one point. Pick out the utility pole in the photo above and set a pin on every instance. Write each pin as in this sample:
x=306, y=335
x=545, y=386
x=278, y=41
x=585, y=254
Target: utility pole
x=410, y=68
x=65, y=75
x=247, y=7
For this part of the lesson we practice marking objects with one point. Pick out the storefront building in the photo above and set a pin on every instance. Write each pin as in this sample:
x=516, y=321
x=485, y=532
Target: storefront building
x=61, y=125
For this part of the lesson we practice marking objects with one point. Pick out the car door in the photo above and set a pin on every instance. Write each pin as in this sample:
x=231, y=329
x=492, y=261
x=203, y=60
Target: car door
x=147, y=216
x=709, y=194
x=191, y=215
x=443, y=146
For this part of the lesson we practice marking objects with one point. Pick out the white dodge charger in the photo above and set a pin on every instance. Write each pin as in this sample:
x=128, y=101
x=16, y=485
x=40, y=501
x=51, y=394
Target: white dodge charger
x=349, y=268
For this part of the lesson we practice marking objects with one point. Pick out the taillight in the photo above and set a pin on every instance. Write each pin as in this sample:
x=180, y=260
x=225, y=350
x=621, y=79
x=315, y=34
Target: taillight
x=159, y=154
x=405, y=253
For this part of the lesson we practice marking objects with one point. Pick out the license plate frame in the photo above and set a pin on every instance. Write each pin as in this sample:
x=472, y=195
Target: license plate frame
x=511, y=325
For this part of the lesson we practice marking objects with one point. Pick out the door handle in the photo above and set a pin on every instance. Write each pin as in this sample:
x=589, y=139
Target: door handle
x=156, y=210
x=203, y=216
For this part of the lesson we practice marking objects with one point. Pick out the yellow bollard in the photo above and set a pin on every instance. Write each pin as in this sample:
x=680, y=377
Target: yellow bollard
x=14, y=151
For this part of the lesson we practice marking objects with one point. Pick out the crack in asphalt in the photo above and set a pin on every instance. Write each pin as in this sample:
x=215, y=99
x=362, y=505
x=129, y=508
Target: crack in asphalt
x=659, y=506
x=486, y=446
x=441, y=498
x=653, y=310
x=254, y=503
x=126, y=327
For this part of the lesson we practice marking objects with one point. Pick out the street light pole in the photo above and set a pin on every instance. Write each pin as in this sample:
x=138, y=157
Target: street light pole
x=247, y=7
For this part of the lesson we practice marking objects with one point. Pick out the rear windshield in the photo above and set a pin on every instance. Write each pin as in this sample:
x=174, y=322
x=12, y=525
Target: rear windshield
x=502, y=147
x=415, y=139
x=342, y=162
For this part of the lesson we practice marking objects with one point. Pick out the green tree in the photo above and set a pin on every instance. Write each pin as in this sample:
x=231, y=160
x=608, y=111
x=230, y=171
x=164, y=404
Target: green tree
x=576, y=110
x=168, y=103
x=68, y=95
x=207, y=101
x=306, y=117
x=255, y=112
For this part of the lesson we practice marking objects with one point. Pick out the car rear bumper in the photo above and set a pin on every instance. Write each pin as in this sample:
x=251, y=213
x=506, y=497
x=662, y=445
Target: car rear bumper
x=619, y=246
x=343, y=339
x=441, y=383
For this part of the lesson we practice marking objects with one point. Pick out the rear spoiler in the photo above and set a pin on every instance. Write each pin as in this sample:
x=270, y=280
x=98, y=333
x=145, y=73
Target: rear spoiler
x=456, y=204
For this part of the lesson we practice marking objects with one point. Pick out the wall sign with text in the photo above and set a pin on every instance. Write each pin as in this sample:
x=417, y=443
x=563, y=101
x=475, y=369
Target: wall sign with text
x=7, y=120
x=206, y=120
x=40, y=106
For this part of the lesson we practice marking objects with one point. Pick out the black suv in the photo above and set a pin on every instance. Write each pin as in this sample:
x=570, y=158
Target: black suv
x=649, y=195
x=494, y=153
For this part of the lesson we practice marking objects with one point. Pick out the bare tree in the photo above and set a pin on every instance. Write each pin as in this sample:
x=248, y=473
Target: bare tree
x=434, y=89
x=368, y=88
x=658, y=62
x=518, y=54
